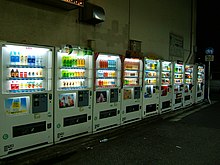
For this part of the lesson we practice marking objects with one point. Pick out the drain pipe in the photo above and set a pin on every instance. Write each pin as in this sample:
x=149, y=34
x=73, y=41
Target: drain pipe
x=129, y=19
x=192, y=31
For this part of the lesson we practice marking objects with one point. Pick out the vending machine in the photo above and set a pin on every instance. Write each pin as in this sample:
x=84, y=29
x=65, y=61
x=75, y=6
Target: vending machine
x=73, y=92
x=151, y=87
x=166, y=94
x=178, y=85
x=131, y=101
x=200, y=82
x=107, y=91
x=26, y=88
x=188, y=85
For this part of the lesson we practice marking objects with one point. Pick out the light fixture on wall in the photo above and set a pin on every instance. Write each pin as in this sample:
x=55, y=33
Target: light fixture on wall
x=91, y=14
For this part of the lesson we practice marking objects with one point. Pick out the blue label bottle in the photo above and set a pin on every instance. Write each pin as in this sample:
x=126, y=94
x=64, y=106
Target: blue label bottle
x=12, y=58
x=29, y=60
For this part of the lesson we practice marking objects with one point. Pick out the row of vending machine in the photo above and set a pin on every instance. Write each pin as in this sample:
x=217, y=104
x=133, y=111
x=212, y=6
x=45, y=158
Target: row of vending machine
x=51, y=95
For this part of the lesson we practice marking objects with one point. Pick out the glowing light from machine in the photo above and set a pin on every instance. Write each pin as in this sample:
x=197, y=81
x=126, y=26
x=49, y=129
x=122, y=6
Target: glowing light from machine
x=75, y=2
x=106, y=57
x=131, y=60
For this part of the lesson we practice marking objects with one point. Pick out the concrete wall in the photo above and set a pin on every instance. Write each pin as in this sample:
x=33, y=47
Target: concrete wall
x=149, y=21
x=153, y=20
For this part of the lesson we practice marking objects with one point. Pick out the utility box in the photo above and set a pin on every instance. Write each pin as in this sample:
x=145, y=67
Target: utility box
x=134, y=45
x=134, y=49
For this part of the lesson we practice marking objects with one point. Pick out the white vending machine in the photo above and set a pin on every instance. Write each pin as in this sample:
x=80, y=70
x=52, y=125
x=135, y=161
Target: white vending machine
x=188, y=85
x=166, y=94
x=74, y=93
x=131, y=101
x=26, y=88
x=107, y=91
x=200, y=82
x=151, y=87
x=178, y=85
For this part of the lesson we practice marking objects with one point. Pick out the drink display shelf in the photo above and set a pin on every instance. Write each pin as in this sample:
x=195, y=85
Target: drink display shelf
x=166, y=77
x=25, y=66
x=200, y=73
x=106, y=77
x=153, y=77
x=72, y=88
x=26, y=78
x=137, y=70
x=69, y=67
x=27, y=90
x=113, y=68
x=178, y=72
x=131, y=85
x=166, y=71
x=153, y=70
x=131, y=77
x=150, y=83
x=80, y=77
x=106, y=86
x=178, y=83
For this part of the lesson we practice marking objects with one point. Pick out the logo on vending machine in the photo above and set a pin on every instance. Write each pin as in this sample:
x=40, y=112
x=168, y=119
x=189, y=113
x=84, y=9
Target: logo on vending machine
x=5, y=136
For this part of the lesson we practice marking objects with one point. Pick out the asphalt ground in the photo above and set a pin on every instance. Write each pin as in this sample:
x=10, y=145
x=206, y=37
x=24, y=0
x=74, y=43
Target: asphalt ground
x=188, y=136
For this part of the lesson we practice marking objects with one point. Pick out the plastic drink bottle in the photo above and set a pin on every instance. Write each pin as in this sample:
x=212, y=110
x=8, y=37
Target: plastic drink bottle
x=25, y=60
x=83, y=62
x=21, y=59
x=33, y=60
x=16, y=58
x=12, y=58
x=29, y=60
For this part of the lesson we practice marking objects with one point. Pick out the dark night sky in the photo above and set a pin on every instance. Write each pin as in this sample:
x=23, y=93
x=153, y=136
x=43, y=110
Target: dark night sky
x=208, y=31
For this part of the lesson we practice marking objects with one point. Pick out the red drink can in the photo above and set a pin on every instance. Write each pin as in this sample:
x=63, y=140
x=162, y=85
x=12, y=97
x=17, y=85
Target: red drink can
x=21, y=74
x=25, y=74
x=16, y=86
x=13, y=86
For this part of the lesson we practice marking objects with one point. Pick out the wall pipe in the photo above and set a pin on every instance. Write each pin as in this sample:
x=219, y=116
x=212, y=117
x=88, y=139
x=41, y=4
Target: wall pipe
x=192, y=31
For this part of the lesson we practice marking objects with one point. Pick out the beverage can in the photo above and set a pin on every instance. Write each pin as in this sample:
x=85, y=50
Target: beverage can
x=16, y=85
x=25, y=74
x=12, y=85
x=21, y=74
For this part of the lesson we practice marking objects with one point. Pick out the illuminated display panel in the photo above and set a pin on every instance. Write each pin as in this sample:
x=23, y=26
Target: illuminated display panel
x=75, y=2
